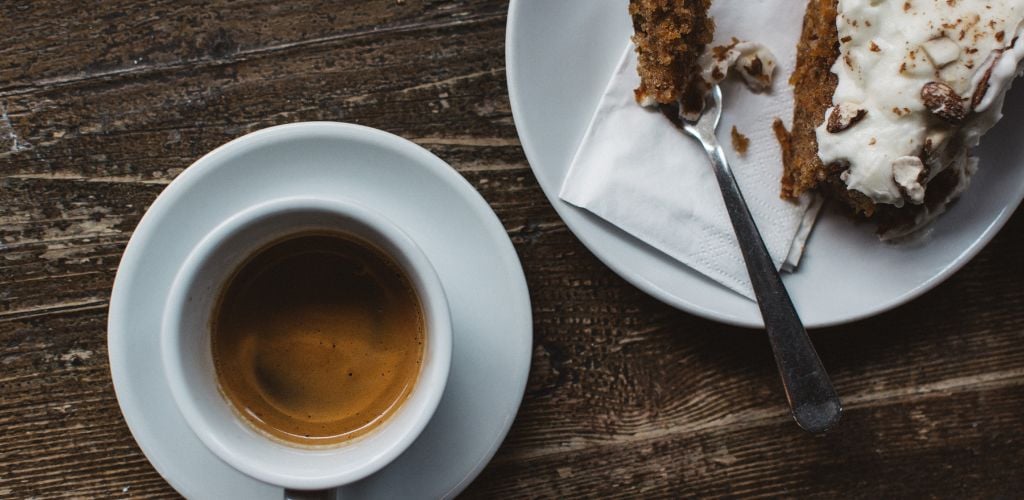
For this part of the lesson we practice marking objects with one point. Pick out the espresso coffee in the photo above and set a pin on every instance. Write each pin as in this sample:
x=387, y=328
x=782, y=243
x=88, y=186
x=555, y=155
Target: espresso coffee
x=317, y=339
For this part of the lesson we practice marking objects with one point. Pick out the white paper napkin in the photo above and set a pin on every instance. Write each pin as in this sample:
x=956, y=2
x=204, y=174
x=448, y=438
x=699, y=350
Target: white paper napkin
x=638, y=172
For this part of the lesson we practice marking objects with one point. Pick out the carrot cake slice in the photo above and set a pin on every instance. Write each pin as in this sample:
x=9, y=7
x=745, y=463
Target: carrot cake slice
x=890, y=96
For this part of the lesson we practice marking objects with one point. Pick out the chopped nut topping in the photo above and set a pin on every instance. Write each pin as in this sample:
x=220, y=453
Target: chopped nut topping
x=944, y=102
x=843, y=116
x=982, y=88
x=941, y=51
x=908, y=172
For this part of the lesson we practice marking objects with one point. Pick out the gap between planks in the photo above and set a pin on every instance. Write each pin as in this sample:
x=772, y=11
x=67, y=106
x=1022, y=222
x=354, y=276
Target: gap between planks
x=61, y=176
x=53, y=309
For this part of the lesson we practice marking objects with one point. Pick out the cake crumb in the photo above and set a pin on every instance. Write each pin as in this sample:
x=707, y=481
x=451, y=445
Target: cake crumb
x=740, y=142
x=785, y=144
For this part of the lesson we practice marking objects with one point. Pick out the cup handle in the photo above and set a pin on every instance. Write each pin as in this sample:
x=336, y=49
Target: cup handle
x=310, y=494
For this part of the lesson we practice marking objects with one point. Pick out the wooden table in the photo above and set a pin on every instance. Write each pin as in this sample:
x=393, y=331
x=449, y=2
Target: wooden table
x=102, y=105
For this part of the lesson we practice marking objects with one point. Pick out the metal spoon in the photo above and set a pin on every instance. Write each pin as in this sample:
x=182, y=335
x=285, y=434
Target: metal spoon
x=812, y=399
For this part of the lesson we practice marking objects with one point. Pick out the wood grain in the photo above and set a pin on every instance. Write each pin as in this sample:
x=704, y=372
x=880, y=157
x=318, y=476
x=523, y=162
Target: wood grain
x=103, y=104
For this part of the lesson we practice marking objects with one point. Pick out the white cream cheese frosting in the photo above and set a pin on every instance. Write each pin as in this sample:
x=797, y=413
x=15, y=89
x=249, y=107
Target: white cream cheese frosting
x=752, y=60
x=917, y=80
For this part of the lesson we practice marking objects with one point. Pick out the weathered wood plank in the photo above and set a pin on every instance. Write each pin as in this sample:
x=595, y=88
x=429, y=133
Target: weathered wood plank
x=924, y=447
x=57, y=44
x=103, y=106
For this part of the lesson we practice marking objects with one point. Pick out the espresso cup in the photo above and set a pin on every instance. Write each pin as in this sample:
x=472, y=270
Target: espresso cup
x=189, y=364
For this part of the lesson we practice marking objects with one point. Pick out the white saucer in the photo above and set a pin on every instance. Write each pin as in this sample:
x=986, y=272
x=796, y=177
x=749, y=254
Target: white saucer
x=454, y=226
x=559, y=57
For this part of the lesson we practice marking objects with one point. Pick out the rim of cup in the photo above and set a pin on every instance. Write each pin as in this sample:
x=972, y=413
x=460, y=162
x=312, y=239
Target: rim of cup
x=187, y=357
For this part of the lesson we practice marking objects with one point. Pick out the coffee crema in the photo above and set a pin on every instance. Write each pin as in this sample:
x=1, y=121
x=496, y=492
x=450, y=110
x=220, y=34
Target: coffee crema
x=317, y=339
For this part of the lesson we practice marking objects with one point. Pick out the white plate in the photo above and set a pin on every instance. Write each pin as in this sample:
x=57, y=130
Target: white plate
x=453, y=225
x=559, y=57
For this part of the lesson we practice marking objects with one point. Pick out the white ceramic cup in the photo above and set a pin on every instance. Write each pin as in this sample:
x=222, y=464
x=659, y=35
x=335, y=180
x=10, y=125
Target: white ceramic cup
x=188, y=359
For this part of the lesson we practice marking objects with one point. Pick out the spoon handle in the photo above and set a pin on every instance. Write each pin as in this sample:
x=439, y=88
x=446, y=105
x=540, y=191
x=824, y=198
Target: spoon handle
x=811, y=397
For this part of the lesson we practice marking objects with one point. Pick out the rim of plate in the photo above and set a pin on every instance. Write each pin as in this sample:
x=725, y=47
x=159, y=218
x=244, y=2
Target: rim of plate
x=623, y=270
x=117, y=332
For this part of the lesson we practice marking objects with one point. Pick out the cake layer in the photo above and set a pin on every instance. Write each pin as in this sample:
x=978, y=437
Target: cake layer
x=670, y=36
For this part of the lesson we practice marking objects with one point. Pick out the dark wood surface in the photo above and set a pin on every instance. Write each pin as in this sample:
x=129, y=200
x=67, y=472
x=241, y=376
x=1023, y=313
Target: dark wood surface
x=103, y=104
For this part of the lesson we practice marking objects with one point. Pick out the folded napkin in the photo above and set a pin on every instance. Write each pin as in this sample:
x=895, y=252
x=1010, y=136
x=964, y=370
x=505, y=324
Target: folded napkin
x=635, y=170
